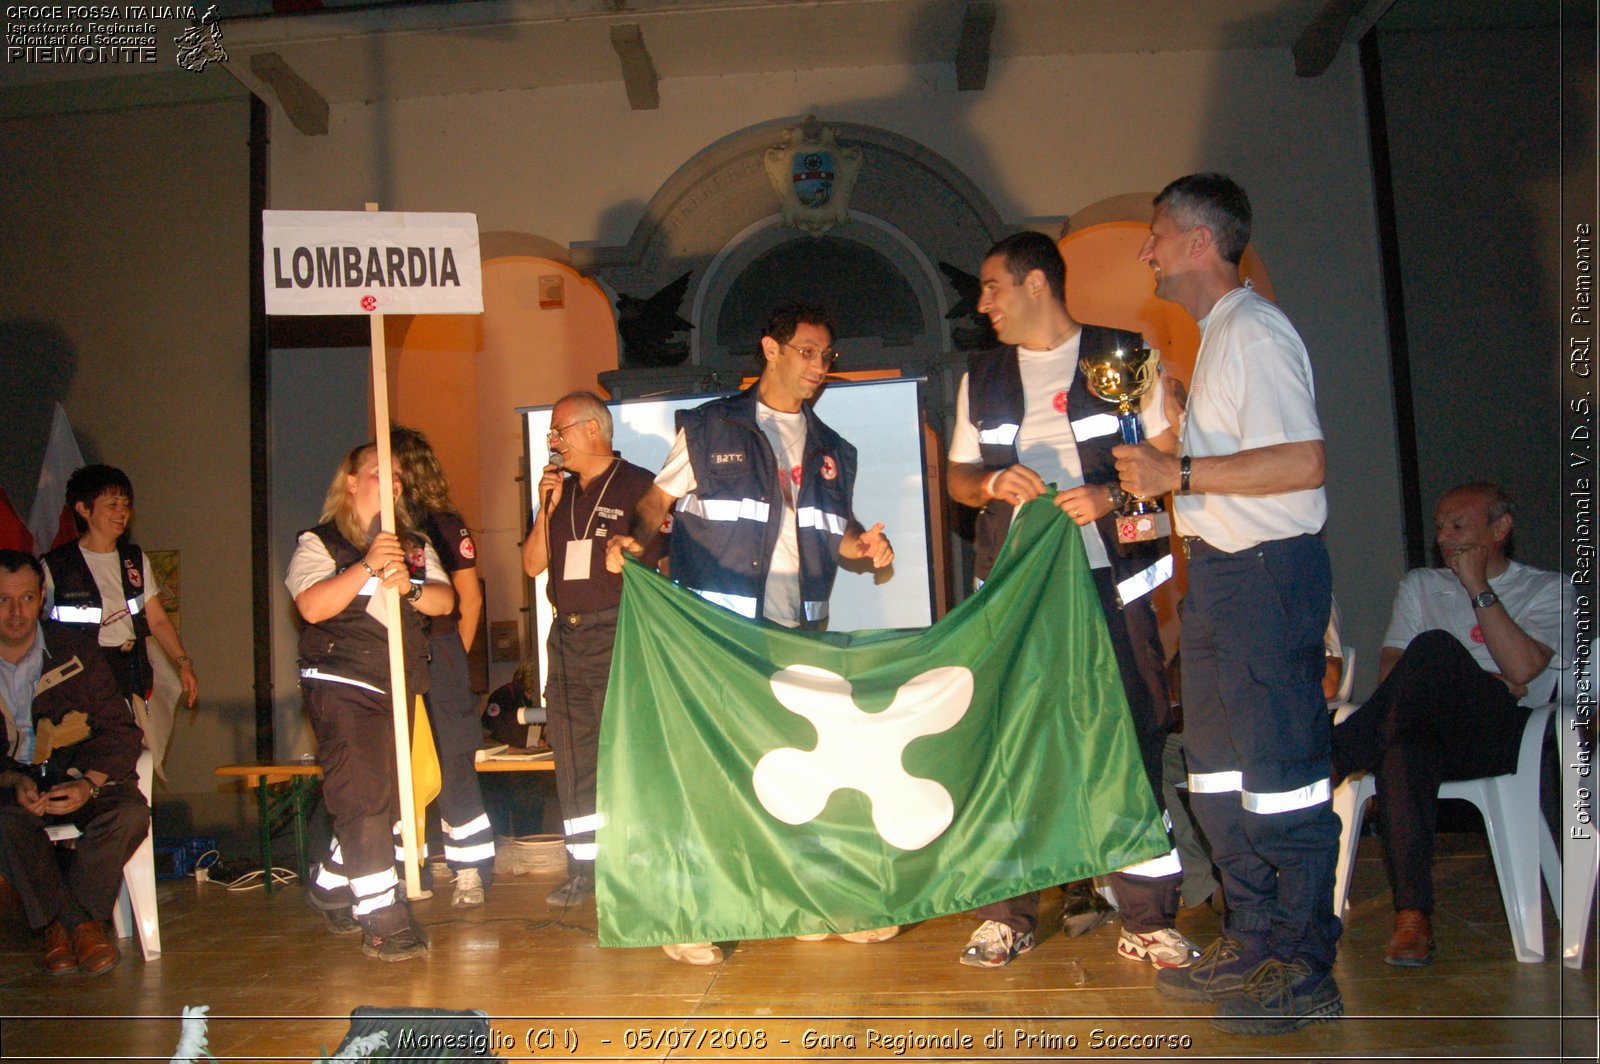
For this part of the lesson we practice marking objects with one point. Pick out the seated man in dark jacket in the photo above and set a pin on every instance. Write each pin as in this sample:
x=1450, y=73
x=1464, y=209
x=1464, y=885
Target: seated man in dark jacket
x=71, y=749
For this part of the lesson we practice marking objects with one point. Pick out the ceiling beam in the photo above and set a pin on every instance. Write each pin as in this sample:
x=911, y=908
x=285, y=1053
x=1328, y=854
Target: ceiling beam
x=304, y=105
x=1337, y=22
x=972, y=53
x=638, y=70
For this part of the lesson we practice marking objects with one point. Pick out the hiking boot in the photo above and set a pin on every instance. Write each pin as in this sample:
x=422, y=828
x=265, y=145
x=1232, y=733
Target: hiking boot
x=402, y=945
x=1164, y=948
x=994, y=945
x=700, y=953
x=469, y=889
x=1217, y=973
x=1083, y=908
x=339, y=920
x=1412, y=943
x=1280, y=997
x=577, y=887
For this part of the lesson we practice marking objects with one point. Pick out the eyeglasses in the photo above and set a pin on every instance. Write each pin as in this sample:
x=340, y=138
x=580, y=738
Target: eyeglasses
x=555, y=432
x=827, y=356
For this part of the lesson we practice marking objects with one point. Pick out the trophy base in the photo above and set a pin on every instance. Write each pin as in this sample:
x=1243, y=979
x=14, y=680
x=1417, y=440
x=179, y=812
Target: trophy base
x=1143, y=528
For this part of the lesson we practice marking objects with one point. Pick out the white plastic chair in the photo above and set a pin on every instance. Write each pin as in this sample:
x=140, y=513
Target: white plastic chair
x=1579, y=853
x=1347, y=679
x=136, y=901
x=1519, y=840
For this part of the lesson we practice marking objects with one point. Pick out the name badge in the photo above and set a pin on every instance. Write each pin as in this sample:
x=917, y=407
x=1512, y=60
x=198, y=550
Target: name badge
x=580, y=554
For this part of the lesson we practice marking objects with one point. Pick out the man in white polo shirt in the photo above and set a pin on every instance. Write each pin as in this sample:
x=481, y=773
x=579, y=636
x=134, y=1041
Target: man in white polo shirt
x=1468, y=651
x=1248, y=476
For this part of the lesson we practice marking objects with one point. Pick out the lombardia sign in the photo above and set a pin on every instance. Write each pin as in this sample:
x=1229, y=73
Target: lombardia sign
x=370, y=262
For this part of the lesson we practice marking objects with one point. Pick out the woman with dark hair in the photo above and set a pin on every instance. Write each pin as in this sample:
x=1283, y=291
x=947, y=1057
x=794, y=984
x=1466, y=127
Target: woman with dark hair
x=335, y=575
x=452, y=707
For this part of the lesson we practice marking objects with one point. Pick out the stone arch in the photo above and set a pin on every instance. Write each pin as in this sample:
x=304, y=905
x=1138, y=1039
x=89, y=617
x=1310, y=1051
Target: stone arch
x=717, y=214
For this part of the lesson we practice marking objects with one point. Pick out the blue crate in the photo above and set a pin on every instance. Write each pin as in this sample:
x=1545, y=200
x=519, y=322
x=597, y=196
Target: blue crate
x=176, y=858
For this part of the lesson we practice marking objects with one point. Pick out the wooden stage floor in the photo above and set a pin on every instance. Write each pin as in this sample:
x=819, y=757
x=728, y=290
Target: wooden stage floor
x=280, y=988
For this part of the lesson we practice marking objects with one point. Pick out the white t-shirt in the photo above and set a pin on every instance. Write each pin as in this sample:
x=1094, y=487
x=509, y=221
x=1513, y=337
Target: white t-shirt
x=786, y=433
x=1434, y=598
x=311, y=564
x=1047, y=442
x=1252, y=388
x=116, y=623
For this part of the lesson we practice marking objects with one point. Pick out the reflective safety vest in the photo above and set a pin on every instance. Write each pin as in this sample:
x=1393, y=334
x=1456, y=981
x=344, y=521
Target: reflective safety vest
x=351, y=647
x=995, y=405
x=76, y=599
x=724, y=532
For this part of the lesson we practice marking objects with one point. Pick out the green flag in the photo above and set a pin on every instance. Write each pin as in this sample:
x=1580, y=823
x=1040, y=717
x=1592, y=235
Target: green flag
x=757, y=781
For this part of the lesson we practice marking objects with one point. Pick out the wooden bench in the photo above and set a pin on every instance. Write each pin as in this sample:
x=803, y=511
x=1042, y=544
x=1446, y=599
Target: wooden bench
x=286, y=790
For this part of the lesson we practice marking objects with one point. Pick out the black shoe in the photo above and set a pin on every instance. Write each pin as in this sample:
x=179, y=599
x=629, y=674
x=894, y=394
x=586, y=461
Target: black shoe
x=1280, y=997
x=339, y=920
x=1083, y=909
x=1220, y=972
x=402, y=945
x=570, y=893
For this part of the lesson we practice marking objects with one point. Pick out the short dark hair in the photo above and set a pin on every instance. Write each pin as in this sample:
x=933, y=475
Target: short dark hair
x=88, y=483
x=1215, y=201
x=1027, y=251
x=14, y=561
x=785, y=320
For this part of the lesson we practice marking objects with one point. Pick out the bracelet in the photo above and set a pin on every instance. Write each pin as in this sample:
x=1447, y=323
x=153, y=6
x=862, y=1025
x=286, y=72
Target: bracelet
x=988, y=484
x=185, y=660
x=1183, y=474
x=370, y=570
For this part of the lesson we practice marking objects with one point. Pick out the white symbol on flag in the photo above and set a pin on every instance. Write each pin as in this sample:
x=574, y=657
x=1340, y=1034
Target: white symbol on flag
x=863, y=751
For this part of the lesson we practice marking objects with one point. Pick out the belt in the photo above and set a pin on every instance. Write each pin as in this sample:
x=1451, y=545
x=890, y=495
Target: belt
x=578, y=620
x=1195, y=547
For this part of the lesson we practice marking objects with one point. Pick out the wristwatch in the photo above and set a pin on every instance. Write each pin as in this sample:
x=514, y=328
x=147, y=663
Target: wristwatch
x=1118, y=497
x=1484, y=599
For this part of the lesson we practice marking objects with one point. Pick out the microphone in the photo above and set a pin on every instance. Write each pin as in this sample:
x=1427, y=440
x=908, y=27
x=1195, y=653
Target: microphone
x=558, y=460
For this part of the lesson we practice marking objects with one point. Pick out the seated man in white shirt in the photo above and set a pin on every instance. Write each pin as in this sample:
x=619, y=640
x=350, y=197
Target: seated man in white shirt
x=1470, y=648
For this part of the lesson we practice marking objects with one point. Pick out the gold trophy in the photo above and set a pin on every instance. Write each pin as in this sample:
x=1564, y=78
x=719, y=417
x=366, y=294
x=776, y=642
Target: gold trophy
x=1122, y=376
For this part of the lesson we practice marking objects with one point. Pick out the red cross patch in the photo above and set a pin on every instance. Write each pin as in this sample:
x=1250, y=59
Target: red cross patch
x=468, y=551
x=135, y=577
x=1477, y=634
x=829, y=469
x=1060, y=402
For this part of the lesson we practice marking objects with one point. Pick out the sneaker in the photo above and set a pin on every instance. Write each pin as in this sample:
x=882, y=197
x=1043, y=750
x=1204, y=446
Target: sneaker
x=469, y=889
x=570, y=893
x=694, y=953
x=876, y=934
x=1165, y=948
x=1217, y=973
x=1412, y=944
x=1280, y=997
x=1083, y=908
x=994, y=945
x=402, y=945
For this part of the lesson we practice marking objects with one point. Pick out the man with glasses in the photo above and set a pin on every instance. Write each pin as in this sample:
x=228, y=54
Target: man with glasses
x=763, y=492
x=584, y=499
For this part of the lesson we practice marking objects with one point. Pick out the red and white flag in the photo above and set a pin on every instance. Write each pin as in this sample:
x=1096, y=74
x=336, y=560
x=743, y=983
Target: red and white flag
x=14, y=535
x=50, y=521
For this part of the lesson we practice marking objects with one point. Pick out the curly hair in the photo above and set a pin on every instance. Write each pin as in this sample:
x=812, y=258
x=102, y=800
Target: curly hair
x=422, y=480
